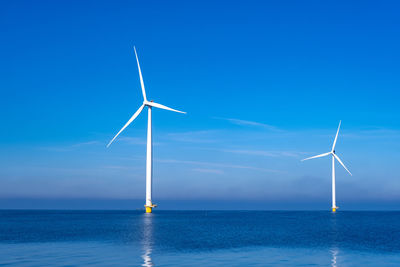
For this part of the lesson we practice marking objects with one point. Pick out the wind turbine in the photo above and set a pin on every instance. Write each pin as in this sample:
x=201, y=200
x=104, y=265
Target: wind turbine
x=149, y=158
x=334, y=156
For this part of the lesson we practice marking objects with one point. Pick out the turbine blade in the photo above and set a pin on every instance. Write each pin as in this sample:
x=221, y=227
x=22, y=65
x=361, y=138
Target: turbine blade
x=317, y=156
x=140, y=76
x=338, y=159
x=337, y=133
x=156, y=105
x=129, y=122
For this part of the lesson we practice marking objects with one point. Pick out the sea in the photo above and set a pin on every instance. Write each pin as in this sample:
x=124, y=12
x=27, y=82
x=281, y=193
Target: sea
x=199, y=238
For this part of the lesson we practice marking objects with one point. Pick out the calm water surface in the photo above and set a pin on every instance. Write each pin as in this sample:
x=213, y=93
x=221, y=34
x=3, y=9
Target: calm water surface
x=199, y=238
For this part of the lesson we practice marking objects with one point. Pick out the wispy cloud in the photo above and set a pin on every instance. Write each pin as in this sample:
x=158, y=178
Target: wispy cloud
x=249, y=123
x=372, y=133
x=128, y=140
x=221, y=165
x=265, y=153
x=85, y=144
x=119, y=167
x=70, y=147
x=213, y=171
x=205, y=136
x=132, y=140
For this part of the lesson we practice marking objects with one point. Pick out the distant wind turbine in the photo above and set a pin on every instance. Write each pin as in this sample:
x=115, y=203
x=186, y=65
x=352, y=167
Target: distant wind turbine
x=334, y=156
x=149, y=159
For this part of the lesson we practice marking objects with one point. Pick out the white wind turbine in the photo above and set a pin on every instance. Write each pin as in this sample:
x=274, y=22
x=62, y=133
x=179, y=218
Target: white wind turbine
x=334, y=156
x=149, y=158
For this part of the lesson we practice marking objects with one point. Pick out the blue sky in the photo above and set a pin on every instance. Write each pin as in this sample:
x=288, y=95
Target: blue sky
x=264, y=84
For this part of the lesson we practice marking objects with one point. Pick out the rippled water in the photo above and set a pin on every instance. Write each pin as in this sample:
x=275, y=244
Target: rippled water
x=199, y=238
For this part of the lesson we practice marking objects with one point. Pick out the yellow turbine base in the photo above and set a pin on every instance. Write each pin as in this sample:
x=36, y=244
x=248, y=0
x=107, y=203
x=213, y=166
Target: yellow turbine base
x=333, y=209
x=149, y=209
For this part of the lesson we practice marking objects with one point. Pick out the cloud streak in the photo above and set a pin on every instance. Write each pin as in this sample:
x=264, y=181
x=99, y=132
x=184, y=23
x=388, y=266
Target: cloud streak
x=221, y=165
x=372, y=133
x=265, y=153
x=249, y=123
x=133, y=140
x=205, y=136
x=212, y=171
x=70, y=147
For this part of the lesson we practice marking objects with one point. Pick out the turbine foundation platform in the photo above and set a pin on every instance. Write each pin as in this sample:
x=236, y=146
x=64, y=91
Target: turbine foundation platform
x=334, y=209
x=149, y=208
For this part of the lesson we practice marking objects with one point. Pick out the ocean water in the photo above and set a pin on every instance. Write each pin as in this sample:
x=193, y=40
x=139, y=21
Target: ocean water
x=199, y=238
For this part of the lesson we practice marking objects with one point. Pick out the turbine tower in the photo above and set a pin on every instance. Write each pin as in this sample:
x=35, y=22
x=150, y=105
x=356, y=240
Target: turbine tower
x=334, y=156
x=149, y=158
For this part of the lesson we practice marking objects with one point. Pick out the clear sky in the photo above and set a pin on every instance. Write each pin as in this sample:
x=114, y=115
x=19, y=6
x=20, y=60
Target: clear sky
x=264, y=84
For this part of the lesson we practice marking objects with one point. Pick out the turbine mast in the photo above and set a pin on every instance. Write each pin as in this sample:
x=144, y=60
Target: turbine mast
x=333, y=185
x=149, y=165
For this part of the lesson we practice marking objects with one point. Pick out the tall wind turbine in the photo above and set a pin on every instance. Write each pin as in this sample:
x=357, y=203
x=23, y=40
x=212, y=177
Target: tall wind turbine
x=334, y=156
x=149, y=158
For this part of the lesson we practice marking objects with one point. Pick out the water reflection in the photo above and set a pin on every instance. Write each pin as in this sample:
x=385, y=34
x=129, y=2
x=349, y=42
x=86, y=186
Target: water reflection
x=334, y=239
x=147, y=242
x=334, y=253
